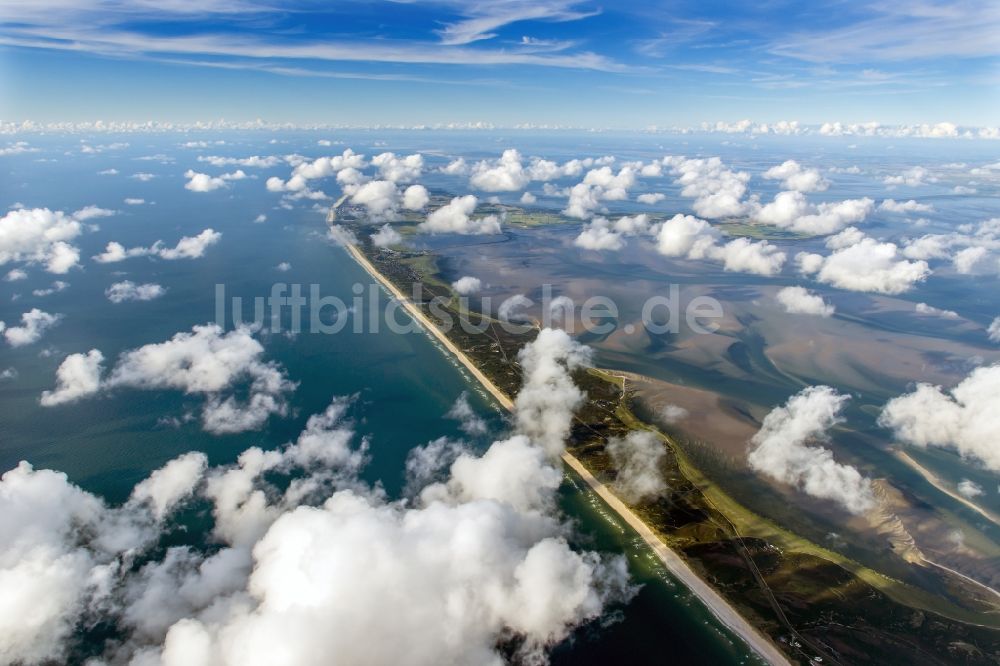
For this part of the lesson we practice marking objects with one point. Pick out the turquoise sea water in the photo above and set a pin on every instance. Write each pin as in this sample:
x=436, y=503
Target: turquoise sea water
x=404, y=384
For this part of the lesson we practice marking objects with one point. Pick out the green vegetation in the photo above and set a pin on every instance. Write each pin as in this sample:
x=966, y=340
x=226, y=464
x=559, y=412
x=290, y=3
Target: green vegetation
x=810, y=600
x=522, y=217
x=746, y=229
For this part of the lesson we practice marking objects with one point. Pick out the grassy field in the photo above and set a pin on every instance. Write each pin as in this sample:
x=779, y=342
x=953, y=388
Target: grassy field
x=758, y=231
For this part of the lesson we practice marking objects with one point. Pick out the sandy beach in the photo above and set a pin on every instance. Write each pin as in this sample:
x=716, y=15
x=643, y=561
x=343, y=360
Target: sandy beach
x=712, y=600
x=935, y=481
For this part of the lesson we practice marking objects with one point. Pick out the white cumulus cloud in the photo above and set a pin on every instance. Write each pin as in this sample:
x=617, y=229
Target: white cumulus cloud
x=964, y=418
x=126, y=290
x=925, y=309
x=792, y=210
x=79, y=375
x=638, y=458
x=415, y=197
x=254, y=161
x=399, y=169
x=597, y=235
x=794, y=176
x=717, y=191
x=319, y=562
x=909, y=206
x=42, y=236
x=386, y=236
x=380, y=197
x=188, y=247
x=799, y=300
x=598, y=185
x=969, y=489
x=913, y=177
x=202, y=182
x=867, y=266
x=454, y=217
x=467, y=285
x=691, y=238
x=34, y=323
x=206, y=362
x=506, y=174
x=548, y=396
x=781, y=450
x=305, y=171
x=993, y=330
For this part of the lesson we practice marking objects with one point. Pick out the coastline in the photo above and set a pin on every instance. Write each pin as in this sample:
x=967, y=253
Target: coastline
x=940, y=485
x=674, y=563
x=936, y=481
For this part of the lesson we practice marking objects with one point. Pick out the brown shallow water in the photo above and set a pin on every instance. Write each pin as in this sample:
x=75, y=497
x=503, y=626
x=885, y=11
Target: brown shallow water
x=874, y=348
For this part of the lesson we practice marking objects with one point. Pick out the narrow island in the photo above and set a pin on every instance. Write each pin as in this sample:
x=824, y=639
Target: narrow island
x=679, y=568
x=789, y=599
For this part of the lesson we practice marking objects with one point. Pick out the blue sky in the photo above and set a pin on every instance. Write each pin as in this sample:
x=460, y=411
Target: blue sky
x=555, y=62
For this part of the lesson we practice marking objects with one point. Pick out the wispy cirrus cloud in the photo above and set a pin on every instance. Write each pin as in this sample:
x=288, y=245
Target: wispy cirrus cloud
x=891, y=32
x=124, y=43
x=482, y=19
x=118, y=29
x=690, y=54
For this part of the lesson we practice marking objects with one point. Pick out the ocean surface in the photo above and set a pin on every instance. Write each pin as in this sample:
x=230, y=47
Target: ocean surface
x=404, y=384
x=873, y=348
